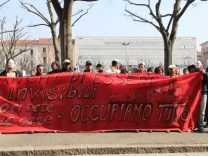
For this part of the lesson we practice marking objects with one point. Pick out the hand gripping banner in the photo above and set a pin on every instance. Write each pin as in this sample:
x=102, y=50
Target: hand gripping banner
x=93, y=102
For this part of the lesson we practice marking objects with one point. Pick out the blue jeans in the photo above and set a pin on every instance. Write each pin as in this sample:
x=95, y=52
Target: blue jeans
x=202, y=110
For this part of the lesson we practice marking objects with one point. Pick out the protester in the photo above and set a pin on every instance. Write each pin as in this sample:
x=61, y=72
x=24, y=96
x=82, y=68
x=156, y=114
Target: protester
x=66, y=66
x=32, y=72
x=141, y=67
x=185, y=71
x=88, y=66
x=123, y=70
x=191, y=68
x=114, y=67
x=206, y=111
x=129, y=69
x=39, y=70
x=150, y=70
x=134, y=70
x=10, y=70
x=159, y=70
x=55, y=67
x=177, y=70
x=172, y=69
x=199, y=67
x=99, y=68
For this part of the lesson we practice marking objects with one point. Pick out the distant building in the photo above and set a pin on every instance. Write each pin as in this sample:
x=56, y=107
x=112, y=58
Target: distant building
x=132, y=50
x=129, y=50
x=199, y=56
x=40, y=52
x=204, y=53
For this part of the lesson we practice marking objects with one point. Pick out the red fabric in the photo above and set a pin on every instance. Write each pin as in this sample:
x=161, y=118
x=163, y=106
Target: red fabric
x=86, y=102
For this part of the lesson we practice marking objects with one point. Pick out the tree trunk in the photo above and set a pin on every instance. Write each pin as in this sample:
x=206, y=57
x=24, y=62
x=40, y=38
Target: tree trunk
x=66, y=32
x=168, y=51
x=55, y=44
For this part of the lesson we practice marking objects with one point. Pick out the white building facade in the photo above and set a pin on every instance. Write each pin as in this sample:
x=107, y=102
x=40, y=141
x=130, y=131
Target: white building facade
x=132, y=50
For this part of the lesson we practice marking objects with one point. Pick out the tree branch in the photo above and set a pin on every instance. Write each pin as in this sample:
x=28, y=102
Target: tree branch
x=57, y=7
x=32, y=9
x=36, y=25
x=137, y=4
x=4, y=3
x=140, y=19
x=86, y=12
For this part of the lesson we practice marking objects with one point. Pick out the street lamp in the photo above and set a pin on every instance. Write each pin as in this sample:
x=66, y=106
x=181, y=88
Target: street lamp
x=125, y=44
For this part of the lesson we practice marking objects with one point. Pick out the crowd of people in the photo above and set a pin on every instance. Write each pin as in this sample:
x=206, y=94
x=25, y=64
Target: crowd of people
x=116, y=67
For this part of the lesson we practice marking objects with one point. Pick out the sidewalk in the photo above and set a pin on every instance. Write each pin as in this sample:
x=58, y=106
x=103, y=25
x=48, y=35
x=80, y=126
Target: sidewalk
x=101, y=143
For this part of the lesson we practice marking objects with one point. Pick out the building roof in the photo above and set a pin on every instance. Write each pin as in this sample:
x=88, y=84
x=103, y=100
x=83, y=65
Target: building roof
x=45, y=41
x=22, y=42
x=204, y=43
x=41, y=41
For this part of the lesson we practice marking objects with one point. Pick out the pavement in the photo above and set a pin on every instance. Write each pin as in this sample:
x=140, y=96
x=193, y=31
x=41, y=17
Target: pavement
x=111, y=143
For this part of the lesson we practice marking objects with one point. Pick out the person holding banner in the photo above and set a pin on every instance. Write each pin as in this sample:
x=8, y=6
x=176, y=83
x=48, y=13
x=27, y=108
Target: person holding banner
x=66, y=66
x=199, y=67
x=115, y=67
x=99, y=68
x=39, y=70
x=185, y=71
x=159, y=70
x=206, y=111
x=142, y=68
x=55, y=67
x=172, y=69
x=10, y=70
x=88, y=67
x=192, y=68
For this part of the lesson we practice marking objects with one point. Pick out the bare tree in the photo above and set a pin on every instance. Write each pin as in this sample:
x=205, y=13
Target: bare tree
x=52, y=21
x=2, y=4
x=10, y=42
x=166, y=24
x=64, y=13
x=25, y=63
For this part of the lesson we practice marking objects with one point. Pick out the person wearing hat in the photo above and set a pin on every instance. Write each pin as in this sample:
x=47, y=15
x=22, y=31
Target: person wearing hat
x=88, y=67
x=141, y=67
x=10, y=70
x=172, y=69
x=55, y=67
x=66, y=66
x=114, y=67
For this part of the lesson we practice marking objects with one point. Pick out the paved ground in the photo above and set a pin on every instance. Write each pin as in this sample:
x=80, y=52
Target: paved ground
x=161, y=154
x=102, y=143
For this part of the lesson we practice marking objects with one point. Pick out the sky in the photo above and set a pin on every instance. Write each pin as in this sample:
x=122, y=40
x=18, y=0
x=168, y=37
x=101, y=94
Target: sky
x=108, y=18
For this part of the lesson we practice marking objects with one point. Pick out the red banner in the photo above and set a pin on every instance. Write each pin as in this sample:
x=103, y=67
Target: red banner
x=87, y=102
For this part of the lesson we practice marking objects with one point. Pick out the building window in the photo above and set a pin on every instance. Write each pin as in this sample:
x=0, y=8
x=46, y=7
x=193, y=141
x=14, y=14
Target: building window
x=31, y=52
x=44, y=61
x=44, y=52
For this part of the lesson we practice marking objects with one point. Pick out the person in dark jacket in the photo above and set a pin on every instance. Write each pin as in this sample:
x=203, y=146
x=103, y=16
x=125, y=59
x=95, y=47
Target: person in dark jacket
x=55, y=67
x=66, y=66
x=199, y=67
x=88, y=67
x=99, y=68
